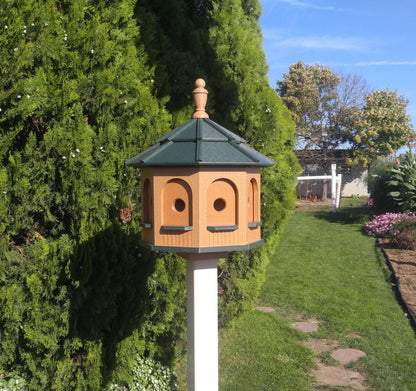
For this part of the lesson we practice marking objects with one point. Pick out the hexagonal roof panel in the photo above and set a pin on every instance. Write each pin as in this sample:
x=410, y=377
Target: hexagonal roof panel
x=200, y=142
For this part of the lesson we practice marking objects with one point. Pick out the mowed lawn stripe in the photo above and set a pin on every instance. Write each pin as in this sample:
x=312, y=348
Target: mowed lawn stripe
x=324, y=268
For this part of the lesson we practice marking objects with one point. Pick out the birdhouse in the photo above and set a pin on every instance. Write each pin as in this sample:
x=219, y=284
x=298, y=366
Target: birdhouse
x=200, y=188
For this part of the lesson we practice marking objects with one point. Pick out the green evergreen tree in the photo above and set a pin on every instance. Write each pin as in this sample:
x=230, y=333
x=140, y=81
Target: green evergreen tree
x=247, y=105
x=85, y=85
x=221, y=41
x=175, y=36
x=77, y=100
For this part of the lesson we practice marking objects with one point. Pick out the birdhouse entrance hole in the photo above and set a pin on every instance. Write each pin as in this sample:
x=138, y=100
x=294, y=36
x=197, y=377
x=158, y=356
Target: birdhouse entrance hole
x=219, y=204
x=179, y=205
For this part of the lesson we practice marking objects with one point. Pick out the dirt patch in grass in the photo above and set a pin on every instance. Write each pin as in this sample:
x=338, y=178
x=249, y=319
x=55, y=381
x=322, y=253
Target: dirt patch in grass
x=309, y=206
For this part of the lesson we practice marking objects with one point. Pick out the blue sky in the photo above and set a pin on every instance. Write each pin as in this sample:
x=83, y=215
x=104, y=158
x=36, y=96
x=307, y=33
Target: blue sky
x=373, y=38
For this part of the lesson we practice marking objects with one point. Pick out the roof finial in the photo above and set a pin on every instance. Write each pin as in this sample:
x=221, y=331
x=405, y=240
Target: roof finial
x=200, y=98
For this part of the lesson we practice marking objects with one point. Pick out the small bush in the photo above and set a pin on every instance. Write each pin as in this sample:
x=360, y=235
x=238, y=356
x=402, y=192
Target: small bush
x=12, y=382
x=402, y=183
x=377, y=185
x=148, y=375
x=369, y=202
x=377, y=170
x=382, y=202
x=406, y=238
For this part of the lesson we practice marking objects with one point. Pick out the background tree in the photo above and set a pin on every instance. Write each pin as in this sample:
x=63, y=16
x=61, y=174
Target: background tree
x=335, y=112
x=384, y=126
x=310, y=93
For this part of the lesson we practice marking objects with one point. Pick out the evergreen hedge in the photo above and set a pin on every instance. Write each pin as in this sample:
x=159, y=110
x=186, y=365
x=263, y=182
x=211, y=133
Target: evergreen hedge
x=85, y=85
x=221, y=41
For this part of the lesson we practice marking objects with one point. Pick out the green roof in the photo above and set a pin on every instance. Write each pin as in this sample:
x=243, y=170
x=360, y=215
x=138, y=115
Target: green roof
x=200, y=142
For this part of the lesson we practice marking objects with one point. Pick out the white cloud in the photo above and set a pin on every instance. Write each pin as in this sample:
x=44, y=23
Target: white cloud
x=299, y=3
x=274, y=35
x=384, y=63
x=325, y=42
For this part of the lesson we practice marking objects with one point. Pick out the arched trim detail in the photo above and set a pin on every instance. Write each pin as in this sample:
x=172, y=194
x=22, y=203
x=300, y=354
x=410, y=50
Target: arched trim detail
x=147, y=204
x=222, y=206
x=177, y=206
x=253, y=202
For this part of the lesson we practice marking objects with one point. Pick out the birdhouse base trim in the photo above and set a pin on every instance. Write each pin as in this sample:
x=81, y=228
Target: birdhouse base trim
x=222, y=228
x=146, y=225
x=202, y=250
x=254, y=225
x=183, y=228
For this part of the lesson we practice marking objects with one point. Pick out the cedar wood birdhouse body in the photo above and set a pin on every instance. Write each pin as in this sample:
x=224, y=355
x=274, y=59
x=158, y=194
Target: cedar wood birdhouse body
x=200, y=188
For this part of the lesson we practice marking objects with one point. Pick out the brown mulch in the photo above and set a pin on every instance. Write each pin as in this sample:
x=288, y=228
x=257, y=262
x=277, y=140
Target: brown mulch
x=403, y=265
x=308, y=206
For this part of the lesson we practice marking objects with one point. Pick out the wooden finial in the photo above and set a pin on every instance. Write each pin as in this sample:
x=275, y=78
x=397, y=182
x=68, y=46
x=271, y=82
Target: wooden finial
x=200, y=98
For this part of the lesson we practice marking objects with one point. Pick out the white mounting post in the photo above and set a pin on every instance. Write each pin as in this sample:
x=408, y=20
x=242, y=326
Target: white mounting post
x=339, y=184
x=202, y=321
x=334, y=187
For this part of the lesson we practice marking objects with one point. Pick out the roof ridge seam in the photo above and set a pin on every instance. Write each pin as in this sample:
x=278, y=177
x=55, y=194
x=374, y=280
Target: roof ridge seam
x=227, y=133
x=198, y=142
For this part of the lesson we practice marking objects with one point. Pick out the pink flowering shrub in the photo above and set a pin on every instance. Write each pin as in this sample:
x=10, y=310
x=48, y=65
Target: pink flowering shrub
x=385, y=225
x=369, y=202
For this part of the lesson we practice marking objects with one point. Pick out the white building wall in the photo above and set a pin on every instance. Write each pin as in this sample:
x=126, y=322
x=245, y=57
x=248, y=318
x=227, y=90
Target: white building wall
x=355, y=183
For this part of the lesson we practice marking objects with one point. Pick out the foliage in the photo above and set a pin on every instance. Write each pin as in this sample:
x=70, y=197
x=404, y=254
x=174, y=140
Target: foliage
x=78, y=297
x=323, y=106
x=222, y=42
x=402, y=183
x=85, y=85
x=387, y=225
x=379, y=192
x=384, y=126
x=377, y=169
x=12, y=382
x=334, y=111
x=148, y=375
x=406, y=238
x=310, y=93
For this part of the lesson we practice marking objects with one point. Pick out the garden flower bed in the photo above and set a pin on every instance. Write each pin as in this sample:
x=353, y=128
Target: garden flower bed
x=400, y=253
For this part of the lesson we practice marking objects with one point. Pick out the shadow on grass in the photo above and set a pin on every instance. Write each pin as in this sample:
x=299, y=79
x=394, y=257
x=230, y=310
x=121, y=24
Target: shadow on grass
x=346, y=215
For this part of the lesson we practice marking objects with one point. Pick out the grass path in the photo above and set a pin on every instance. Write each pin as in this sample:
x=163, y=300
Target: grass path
x=327, y=269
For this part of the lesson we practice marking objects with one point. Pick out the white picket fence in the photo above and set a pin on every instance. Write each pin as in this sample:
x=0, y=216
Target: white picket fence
x=336, y=181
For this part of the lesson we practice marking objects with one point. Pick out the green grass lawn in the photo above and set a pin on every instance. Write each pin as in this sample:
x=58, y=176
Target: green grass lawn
x=325, y=268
